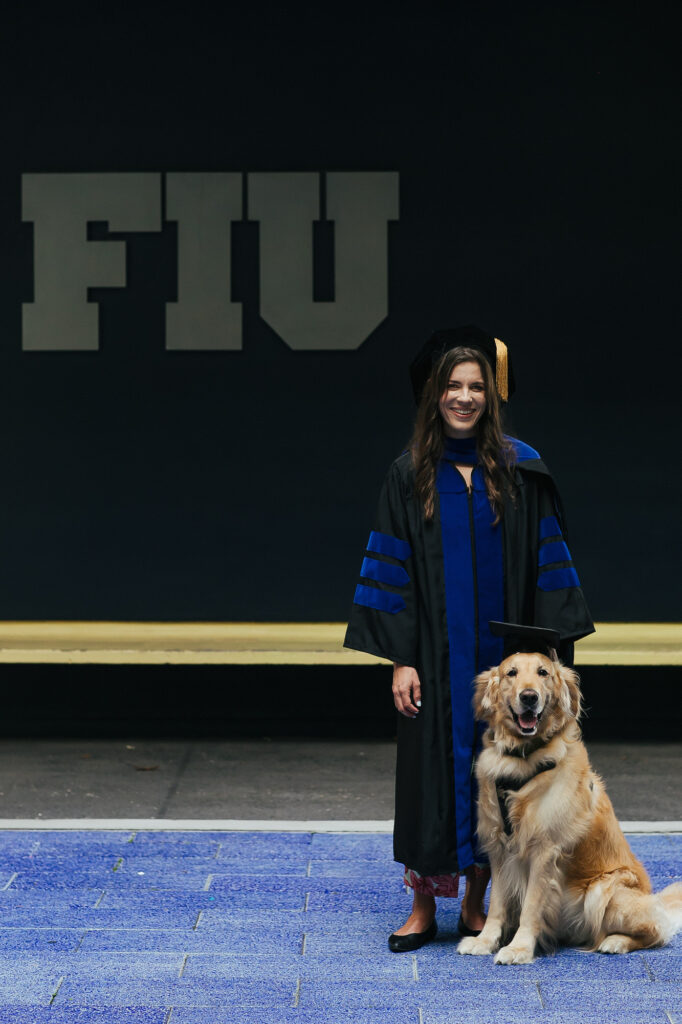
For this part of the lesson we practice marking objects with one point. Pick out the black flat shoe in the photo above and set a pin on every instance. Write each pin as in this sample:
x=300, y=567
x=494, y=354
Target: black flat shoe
x=413, y=940
x=464, y=929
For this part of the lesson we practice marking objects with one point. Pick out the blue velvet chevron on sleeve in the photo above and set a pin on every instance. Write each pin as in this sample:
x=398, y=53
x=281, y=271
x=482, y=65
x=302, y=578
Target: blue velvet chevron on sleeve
x=383, y=614
x=555, y=564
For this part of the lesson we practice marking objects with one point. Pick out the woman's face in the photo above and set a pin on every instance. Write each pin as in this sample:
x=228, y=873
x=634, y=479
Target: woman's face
x=463, y=402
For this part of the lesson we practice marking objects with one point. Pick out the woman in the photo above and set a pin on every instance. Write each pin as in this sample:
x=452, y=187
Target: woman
x=469, y=529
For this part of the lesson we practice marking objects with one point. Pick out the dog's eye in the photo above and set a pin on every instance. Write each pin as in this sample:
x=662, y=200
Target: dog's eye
x=512, y=672
x=543, y=672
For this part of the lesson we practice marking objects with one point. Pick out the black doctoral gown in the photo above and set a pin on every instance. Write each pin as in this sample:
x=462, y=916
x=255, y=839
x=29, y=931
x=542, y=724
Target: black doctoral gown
x=426, y=594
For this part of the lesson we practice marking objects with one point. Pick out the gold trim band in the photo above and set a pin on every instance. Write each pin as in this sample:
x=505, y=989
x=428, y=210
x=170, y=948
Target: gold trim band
x=277, y=643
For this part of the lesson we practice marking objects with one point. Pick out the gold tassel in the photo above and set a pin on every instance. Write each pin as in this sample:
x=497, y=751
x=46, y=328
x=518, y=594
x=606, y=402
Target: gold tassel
x=501, y=370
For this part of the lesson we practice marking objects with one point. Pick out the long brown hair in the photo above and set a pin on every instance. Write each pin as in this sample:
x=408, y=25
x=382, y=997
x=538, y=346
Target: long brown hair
x=496, y=455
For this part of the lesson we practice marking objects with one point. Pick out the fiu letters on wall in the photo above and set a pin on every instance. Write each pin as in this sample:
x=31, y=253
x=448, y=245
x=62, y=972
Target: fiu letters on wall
x=286, y=206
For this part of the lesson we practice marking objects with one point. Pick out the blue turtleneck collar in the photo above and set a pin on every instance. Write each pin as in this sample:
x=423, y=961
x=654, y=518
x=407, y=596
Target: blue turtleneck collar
x=457, y=449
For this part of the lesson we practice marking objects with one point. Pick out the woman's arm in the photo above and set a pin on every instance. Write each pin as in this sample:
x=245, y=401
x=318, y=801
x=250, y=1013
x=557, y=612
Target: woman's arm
x=407, y=691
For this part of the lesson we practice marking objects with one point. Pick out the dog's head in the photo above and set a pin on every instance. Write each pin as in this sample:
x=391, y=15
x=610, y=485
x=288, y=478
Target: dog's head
x=527, y=695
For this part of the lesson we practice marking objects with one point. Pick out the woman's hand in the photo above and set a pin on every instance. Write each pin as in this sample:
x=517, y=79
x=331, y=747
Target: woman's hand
x=407, y=691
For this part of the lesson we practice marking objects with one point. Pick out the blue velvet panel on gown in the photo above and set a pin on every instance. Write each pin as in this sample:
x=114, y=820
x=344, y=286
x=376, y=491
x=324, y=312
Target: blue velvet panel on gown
x=474, y=594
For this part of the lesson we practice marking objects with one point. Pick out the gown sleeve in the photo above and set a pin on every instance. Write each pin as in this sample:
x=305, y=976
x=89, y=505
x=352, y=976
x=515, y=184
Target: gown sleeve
x=559, y=599
x=383, y=619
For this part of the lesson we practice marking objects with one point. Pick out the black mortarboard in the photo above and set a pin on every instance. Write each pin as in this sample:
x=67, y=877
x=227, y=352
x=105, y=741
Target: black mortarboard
x=440, y=342
x=530, y=639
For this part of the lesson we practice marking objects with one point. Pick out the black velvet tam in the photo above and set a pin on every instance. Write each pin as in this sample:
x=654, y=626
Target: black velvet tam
x=527, y=639
x=441, y=342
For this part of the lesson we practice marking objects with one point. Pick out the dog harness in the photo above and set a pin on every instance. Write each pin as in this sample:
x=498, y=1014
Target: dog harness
x=504, y=786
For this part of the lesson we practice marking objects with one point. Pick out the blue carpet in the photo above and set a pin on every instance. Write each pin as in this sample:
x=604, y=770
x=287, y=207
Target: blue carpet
x=275, y=928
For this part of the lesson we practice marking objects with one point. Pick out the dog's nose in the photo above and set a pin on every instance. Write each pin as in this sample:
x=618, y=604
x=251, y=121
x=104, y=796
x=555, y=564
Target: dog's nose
x=529, y=698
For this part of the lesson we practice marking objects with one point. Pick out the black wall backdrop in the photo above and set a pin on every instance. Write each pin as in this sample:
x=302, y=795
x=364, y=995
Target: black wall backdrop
x=537, y=157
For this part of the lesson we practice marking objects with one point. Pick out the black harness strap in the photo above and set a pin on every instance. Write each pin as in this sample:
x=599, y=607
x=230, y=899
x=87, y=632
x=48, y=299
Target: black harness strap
x=505, y=786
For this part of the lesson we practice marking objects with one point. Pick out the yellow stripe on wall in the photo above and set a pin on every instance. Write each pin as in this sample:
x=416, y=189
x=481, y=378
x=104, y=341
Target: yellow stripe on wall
x=277, y=643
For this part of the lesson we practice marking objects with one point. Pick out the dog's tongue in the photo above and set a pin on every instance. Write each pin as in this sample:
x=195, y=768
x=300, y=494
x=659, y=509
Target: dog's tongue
x=528, y=719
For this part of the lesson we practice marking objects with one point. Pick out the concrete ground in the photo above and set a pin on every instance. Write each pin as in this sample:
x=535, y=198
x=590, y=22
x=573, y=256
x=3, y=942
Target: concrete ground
x=260, y=779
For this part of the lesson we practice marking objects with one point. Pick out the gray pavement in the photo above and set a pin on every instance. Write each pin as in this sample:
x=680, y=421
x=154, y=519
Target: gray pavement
x=278, y=779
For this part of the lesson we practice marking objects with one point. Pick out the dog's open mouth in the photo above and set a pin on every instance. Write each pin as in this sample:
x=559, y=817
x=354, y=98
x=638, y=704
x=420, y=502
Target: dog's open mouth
x=527, y=721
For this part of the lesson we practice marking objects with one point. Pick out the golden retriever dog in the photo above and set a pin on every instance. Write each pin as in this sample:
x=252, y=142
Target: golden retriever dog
x=562, y=870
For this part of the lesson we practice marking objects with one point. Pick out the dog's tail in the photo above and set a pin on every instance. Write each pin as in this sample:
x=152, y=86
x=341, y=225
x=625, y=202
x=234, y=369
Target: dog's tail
x=671, y=901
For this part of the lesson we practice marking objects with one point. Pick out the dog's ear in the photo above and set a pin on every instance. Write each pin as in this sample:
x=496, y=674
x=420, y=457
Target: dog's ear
x=486, y=692
x=570, y=697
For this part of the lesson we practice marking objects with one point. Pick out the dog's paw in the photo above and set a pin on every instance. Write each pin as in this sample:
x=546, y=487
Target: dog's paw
x=476, y=945
x=515, y=955
x=615, y=944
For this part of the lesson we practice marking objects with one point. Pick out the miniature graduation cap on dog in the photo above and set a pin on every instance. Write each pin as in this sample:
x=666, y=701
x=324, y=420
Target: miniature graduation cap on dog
x=526, y=639
x=440, y=342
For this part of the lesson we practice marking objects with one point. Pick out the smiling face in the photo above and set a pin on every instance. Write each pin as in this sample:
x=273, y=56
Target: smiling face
x=527, y=695
x=463, y=402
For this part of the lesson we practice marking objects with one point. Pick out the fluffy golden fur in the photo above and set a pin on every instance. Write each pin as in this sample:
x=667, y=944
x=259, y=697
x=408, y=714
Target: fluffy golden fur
x=565, y=873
